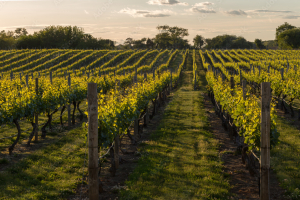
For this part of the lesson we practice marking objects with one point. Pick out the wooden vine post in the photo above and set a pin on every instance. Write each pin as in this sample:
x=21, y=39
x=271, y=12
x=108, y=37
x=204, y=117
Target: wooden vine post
x=244, y=84
x=241, y=77
x=117, y=137
x=36, y=112
x=195, y=80
x=26, y=79
x=69, y=105
x=93, y=141
x=265, y=141
x=51, y=78
x=171, y=81
x=232, y=84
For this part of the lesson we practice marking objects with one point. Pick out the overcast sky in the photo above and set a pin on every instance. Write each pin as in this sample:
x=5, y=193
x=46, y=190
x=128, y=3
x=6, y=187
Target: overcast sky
x=120, y=19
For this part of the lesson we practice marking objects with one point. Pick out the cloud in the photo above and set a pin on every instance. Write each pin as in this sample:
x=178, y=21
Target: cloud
x=292, y=17
x=167, y=2
x=200, y=29
x=236, y=12
x=146, y=13
x=34, y=26
x=38, y=27
x=202, y=7
x=269, y=11
x=86, y=12
x=202, y=10
x=202, y=4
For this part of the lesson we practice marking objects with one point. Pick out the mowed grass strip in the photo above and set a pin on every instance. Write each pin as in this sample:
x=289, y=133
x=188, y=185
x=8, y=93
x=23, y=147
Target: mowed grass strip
x=285, y=158
x=49, y=173
x=181, y=160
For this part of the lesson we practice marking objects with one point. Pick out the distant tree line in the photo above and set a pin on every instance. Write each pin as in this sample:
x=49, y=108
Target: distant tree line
x=67, y=37
x=73, y=37
x=168, y=37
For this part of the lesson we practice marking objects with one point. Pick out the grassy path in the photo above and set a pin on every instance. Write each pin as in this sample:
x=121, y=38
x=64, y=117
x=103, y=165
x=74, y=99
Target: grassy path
x=52, y=172
x=285, y=157
x=181, y=160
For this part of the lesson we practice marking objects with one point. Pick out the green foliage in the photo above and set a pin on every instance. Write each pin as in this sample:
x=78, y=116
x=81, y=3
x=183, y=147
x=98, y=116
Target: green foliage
x=270, y=44
x=171, y=37
x=6, y=40
x=228, y=42
x=61, y=37
x=284, y=27
x=138, y=44
x=289, y=39
x=198, y=41
x=245, y=113
x=4, y=161
x=259, y=44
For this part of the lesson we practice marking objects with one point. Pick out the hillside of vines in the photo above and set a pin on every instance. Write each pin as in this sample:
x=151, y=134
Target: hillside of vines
x=38, y=86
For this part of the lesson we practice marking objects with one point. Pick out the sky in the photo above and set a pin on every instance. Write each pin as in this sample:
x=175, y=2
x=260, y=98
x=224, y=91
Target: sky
x=121, y=19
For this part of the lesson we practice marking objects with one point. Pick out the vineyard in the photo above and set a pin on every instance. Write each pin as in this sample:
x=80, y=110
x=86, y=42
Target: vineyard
x=46, y=91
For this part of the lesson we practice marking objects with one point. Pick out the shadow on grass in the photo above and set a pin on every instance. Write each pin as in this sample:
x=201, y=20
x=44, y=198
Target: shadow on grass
x=49, y=173
x=285, y=158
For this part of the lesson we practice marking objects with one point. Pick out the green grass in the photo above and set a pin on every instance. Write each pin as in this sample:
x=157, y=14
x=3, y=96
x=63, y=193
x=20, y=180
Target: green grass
x=10, y=129
x=49, y=173
x=181, y=161
x=285, y=158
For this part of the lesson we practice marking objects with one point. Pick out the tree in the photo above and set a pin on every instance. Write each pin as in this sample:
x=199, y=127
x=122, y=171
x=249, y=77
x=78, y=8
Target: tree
x=29, y=41
x=289, y=39
x=20, y=32
x=175, y=33
x=69, y=37
x=228, y=42
x=6, y=40
x=162, y=40
x=259, y=44
x=282, y=28
x=140, y=44
x=270, y=44
x=241, y=43
x=183, y=44
x=128, y=42
x=149, y=43
x=198, y=41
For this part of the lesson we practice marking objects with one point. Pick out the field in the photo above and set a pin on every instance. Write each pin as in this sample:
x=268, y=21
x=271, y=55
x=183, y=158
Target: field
x=43, y=118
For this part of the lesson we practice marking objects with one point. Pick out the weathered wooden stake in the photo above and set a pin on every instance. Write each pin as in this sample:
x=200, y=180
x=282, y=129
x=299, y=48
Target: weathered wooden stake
x=116, y=151
x=265, y=141
x=69, y=105
x=136, y=128
x=51, y=78
x=171, y=81
x=281, y=72
x=146, y=118
x=135, y=78
x=244, y=84
x=26, y=80
x=36, y=113
x=93, y=141
x=195, y=84
x=232, y=83
x=241, y=78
